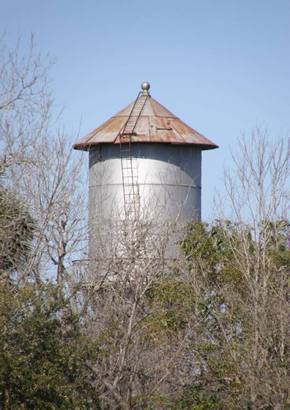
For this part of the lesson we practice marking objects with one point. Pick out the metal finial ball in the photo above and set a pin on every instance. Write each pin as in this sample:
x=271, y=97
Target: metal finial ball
x=145, y=86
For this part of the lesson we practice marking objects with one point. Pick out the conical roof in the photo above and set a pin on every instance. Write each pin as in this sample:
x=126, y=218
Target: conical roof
x=156, y=124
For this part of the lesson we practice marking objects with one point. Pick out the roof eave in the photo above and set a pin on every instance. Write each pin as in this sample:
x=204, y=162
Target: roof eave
x=87, y=146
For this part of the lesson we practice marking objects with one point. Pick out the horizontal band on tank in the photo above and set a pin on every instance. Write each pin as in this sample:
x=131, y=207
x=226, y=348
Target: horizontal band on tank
x=149, y=184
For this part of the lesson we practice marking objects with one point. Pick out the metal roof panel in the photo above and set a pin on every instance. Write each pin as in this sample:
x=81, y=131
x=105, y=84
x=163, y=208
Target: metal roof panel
x=155, y=124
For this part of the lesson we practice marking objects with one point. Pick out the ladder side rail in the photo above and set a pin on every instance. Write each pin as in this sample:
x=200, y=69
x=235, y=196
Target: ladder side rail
x=130, y=115
x=130, y=180
x=134, y=116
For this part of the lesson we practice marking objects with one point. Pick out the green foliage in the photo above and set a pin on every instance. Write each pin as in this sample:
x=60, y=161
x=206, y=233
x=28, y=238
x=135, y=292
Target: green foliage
x=239, y=343
x=44, y=357
x=46, y=360
x=210, y=249
x=171, y=302
x=228, y=311
x=16, y=231
x=278, y=241
x=151, y=402
x=196, y=398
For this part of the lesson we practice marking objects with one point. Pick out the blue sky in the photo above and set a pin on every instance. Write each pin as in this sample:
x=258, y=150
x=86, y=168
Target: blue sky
x=223, y=66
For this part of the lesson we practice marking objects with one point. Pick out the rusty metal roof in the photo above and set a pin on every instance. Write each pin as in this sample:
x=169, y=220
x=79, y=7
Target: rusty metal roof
x=155, y=124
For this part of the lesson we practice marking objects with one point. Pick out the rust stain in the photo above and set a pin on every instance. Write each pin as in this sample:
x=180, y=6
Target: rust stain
x=156, y=124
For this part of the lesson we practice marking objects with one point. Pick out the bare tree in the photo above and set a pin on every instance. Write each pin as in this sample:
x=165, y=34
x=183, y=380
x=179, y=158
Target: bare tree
x=256, y=186
x=137, y=364
x=37, y=157
x=238, y=270
x=257, y=192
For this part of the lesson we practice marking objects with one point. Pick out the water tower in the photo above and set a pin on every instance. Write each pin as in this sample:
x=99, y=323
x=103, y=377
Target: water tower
x=144, y=164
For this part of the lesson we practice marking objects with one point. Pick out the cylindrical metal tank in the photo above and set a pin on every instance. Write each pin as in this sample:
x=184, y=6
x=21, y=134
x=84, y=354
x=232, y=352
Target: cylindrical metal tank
x=169, y=182
x=165, y=158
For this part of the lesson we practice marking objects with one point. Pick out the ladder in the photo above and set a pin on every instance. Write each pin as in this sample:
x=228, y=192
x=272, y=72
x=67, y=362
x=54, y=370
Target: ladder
x=128, y=163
